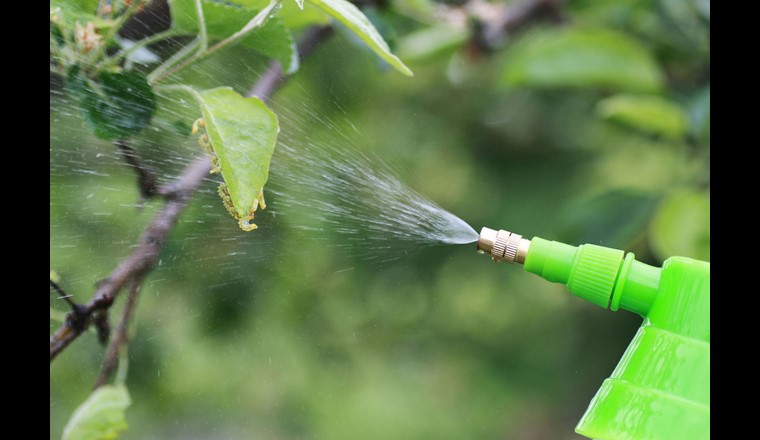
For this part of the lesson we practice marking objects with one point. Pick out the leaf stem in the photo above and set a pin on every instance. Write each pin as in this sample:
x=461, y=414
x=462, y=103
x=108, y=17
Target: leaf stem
x=159, y=72
x=113, y=60
x=181, y=88
x=202, y=25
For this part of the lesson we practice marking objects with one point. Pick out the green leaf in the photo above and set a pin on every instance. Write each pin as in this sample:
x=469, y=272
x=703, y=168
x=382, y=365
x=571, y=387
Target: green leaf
x=358, y=23
x=101, y=416
x=275, y=41
x=431, y=42
x=243, y=134
x=581, y=58
x=681, y=226
x=295, y=17
x=223, y=19
x=613, y=218
x=116, y=106
x=651, y=114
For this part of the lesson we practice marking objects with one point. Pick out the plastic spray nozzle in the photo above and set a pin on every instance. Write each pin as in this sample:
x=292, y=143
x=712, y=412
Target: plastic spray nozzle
x=601, y=275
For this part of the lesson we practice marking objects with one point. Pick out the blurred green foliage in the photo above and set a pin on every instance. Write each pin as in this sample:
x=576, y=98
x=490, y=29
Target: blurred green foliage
x=264, y=335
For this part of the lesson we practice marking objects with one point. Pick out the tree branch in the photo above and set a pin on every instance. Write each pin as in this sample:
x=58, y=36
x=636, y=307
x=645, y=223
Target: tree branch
x=138, y=263
x=145, y=254
x=121, y=337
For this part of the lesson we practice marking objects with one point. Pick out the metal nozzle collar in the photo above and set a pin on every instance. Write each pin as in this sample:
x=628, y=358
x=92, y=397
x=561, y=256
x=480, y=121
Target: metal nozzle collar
x=503, y=245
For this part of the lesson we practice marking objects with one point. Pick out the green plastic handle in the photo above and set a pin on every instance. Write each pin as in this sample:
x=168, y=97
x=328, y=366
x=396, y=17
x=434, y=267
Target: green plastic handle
x=660, y=389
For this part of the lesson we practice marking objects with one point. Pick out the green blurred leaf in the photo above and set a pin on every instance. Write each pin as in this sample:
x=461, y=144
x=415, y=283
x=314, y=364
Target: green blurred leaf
x=117, y=105
x=612, y=218
x=352, y=17
x=651, y=114
x=430, y=42
x=243, y=133
x=681, y=226
x=223, y=19
x=699, y=115
x=101, y=416
x=581, y=58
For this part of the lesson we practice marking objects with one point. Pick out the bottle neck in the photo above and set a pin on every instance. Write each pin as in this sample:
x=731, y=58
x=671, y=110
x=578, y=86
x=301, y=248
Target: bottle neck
x=636, y=286
x=604, y=276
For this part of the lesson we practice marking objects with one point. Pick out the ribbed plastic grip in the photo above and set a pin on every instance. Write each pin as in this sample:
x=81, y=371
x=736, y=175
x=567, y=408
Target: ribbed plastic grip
x=594, y=273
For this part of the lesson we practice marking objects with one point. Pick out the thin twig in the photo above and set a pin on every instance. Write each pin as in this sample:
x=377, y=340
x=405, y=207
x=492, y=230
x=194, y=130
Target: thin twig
x=121, y=337
x=159, y=72
x=63, y=295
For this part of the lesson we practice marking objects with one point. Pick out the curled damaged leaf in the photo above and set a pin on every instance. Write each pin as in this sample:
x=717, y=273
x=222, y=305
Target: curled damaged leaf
x=239, y=134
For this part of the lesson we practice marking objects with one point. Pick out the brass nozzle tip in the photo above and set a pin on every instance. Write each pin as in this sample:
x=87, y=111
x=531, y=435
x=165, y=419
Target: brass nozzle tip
x=503, y=245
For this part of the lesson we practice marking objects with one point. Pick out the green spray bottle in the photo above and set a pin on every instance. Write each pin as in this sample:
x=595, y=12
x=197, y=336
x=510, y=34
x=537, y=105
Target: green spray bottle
x=660, y=389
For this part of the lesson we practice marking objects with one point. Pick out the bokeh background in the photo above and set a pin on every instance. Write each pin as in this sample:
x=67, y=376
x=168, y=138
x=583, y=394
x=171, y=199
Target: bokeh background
x=272, y=336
